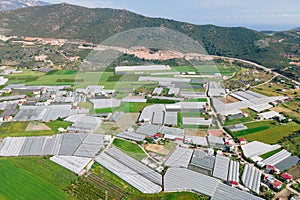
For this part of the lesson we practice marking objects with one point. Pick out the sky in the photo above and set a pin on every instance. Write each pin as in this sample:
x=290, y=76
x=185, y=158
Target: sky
x=254, y=14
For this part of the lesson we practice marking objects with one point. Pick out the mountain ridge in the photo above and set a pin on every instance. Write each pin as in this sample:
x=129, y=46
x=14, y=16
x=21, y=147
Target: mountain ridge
x=97, y=24
x=17, y=4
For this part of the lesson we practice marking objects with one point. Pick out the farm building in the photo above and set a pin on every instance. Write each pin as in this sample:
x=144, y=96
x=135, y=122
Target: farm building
x=256, y=148
x=287, y=163
x=269, y=115
x=216, y=142
x=135, y=165
x=237, y=127
x=276, y=158
x=163, y=80
x=171, y=118
x=127, y=174
x=233, y=175
x=201, y=162
x=131, y=136
x=221, y=167
x=147, y=113
x=174, y=91
x=196, y=121
x=148, y=129
x=235, y=116
x=83, y=123
x=158, y=118
x=196, y=140
x=215, y=89
x=82, y=145
x=188, y=94
x=260, y=108
x=157, y=91
x=251, y=178
x=172, y=133
x=43, y=113
x=180, y=179
x=133, y=69
x=105, y=103
x=3, y=80
x=180, y=157
x=73, y=163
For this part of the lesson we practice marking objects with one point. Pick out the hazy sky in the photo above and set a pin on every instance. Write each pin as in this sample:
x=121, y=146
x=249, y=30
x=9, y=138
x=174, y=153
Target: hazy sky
x=255, y=14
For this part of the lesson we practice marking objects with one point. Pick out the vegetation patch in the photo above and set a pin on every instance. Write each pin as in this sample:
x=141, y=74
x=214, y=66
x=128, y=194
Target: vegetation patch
x=17, y=129
x=269, y=154
x=33, y=178
x=130, y=148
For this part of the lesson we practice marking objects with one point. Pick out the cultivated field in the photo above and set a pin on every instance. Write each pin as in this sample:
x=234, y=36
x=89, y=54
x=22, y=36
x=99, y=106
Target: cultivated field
x=17, y=129
x=267, y=131
x=130, y=148
x=33, y=178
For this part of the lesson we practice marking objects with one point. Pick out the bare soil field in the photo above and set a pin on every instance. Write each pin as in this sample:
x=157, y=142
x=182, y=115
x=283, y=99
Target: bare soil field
x=196, y=132
x=36, y=126
x=216, y=132
x=295, y=172
x=283, y=194
x=159, y=149
x=127, y=120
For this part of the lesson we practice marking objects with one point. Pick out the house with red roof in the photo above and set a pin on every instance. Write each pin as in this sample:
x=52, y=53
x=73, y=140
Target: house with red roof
x=242, y=141
x=286, y=177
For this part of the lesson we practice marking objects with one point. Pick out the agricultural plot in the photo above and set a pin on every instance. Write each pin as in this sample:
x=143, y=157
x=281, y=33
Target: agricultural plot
x=17, y=129
x=292, y=145
x=267, y=131
x=34, y=178
x=130, y=148
x=130, y=107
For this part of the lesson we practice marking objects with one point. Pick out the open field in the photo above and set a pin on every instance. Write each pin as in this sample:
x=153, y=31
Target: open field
x=285, y=110
x=130, y=107
x=130, y=148
x=33, y=178
x=267, y=131
x=277, y=89
x=110, y=128
x=292, y=145
x=159, y=149
x=36, y=126
x=295, y=172
x=17, y=129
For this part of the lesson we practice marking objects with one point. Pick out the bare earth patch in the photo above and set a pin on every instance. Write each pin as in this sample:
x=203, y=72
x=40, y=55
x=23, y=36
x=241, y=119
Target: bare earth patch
x=160, y=149
x=295, y=172
x=216, y=132
x=127, y=120
x=196, y=132
x=37, y=126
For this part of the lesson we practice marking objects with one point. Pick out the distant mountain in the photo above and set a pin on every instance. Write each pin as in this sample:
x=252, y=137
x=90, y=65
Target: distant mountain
x=296, y=29
x=96, y=25
x=16, y=4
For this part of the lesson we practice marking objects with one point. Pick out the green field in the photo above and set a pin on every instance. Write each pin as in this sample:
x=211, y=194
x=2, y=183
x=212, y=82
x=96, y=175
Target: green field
x=16, y=129
x=267, y=131
x=130, y=148
x=269, y=154
x=292, y=145
x=33, y=178
x=131, y=107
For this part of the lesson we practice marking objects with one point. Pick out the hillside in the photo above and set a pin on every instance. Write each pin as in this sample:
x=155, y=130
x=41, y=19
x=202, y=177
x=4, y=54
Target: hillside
x=16, y=4
x=96, y=25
